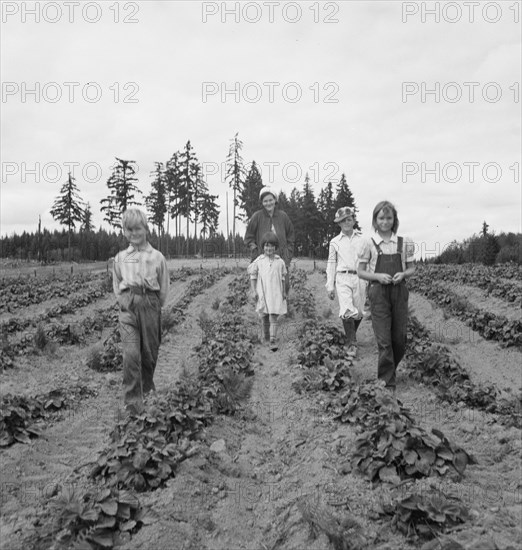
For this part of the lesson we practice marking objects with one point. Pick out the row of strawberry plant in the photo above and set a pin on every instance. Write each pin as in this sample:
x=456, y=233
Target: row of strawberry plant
x=48, y=335
x=14, y=324
x=108, y=355
x=391, y=447
x=487, y=324
x=146, y=449
x=433, y=364
x=20, y=414
x=485, y=278
x=17, y=293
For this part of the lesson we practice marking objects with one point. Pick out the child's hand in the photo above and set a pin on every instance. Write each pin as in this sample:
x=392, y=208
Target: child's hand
x=398, y=277
x=384, y=278
x=331, y=295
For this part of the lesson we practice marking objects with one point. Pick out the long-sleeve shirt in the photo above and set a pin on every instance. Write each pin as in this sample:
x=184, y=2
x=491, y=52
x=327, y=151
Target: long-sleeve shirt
x=261, y=222
x=343, y=255
x=144, y=267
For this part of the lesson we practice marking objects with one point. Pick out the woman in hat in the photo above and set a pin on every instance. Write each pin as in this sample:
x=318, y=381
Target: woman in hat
x=341, y=275
x=271, y=219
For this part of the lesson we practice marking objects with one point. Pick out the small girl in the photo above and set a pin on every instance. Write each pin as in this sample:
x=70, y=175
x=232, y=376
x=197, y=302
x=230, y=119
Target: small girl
x=267, y=282
x=386, y=261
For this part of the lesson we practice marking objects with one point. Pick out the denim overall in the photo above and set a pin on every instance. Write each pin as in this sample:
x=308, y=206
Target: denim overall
x=389, y=310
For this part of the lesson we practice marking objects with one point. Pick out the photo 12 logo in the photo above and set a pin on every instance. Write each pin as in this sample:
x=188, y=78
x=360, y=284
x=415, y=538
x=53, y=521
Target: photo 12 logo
x=50, y=172
x=270, y=92
x=269, y=12
x=460, y=12
x=69, y=12
x=455, y=172
x=459, y=92
x=275, y=172
x=54, y=92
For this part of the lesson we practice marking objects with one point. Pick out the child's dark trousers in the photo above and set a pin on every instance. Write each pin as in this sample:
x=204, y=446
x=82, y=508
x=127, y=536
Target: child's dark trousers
x=140, y=326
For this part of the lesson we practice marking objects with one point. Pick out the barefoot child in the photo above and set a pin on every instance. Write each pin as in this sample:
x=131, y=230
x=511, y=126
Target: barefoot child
x=341, y=275
x=386, y=261
x=267, y=282
x=141, y=284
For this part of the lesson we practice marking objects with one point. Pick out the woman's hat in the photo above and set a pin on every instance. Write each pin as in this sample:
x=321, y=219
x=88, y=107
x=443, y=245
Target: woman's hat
x=266, y=191
x=343, y=213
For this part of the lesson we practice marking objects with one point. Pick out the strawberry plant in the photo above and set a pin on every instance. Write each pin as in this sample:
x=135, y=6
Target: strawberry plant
x=95, y=519
x=146, y=449
x=426, y=516
x=395, y=448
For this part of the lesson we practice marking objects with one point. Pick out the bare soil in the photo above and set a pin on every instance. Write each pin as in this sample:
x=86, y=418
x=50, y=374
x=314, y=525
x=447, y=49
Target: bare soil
x=241, y=490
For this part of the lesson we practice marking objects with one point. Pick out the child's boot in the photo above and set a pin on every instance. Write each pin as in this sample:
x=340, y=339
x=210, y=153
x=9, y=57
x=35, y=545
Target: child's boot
x=349, y=330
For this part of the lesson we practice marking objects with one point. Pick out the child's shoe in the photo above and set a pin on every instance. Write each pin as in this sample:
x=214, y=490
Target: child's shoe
x=352, y=351
x=273, y=344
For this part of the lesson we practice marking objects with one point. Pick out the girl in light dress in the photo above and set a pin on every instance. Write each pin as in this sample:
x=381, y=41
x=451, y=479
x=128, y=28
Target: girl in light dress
x=267, y=282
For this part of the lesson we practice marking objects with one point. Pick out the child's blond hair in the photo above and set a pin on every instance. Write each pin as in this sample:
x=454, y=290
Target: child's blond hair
x=132, y=217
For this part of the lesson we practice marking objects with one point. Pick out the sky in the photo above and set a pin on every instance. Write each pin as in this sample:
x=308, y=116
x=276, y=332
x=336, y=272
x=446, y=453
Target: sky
x=415, y=102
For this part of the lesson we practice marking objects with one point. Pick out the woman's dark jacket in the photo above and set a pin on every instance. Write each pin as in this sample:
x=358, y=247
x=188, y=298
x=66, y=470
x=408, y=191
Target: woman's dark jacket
x=261, y=222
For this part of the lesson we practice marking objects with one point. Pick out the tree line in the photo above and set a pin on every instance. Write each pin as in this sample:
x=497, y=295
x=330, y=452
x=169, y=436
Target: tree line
x=182, y=211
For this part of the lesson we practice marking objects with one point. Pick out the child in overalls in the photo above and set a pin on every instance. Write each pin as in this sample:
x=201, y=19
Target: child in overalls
x=141, y=284
x=386, y=261
x=267, y=282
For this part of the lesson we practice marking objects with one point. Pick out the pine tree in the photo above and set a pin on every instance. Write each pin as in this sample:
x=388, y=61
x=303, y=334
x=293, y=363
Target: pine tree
x=173, y=182
x=189, y=169
x=87, y=226
x=122, y=189
x=325, y=204
x=282, y=202
x=209, y=214
x=344, y=197
x=156, y=200
x=235, y=177
x=249, y=194
x=68, y=208
x=312, y=225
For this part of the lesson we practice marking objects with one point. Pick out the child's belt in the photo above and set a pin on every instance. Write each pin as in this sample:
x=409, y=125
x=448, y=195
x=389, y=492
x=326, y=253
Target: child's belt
x=350, y=271
x=140, y=290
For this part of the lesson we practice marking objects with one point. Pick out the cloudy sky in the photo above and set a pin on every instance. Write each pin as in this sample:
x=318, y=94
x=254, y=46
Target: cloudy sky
x=416, y=102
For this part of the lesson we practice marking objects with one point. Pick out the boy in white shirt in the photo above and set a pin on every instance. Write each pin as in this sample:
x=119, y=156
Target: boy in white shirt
x=341, y=275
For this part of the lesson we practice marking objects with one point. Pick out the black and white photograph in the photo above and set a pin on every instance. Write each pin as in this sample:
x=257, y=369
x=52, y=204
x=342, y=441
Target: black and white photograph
x=260, y=275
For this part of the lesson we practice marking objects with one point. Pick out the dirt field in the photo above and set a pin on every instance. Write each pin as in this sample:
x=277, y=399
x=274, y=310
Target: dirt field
x=243, y=487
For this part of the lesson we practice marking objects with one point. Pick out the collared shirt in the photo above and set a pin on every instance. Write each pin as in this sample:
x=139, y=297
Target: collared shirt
x=343, y=255
x=145, y=267
x=369, y=252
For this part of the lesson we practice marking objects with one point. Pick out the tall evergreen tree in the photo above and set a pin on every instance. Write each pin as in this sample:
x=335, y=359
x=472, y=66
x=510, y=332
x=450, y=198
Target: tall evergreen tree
x=68, y=208
x=282, y=202
x=344, y=197
x=325, y=204
x=249, y=194
x=87, y=226
x=189, y=169
x=312, y=225
x=156, y=200
x=123, y=190
x=235, y=177
x=173, y=181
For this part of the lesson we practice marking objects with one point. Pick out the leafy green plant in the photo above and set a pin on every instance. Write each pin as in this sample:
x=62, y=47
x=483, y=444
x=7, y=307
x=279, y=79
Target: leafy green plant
x=426, y=515
x=95, y=519
x=394, y=448
x=146, y=449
